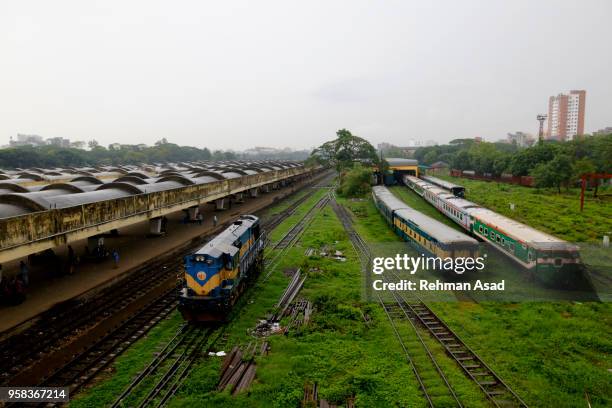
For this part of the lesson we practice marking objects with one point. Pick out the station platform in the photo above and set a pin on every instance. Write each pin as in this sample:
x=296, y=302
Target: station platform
x=134, y=247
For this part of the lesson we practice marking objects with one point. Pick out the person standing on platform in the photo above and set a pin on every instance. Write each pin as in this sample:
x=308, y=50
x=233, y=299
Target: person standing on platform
x=215, y=221
x=24, y=273
x=116, y=258
x=200, y=218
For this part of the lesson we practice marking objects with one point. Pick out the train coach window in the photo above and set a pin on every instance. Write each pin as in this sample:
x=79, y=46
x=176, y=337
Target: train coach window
x=480, y=228
x=498, y=238
x=486, y=231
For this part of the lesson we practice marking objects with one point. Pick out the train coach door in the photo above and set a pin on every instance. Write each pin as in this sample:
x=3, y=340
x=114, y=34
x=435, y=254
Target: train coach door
x=531, y=256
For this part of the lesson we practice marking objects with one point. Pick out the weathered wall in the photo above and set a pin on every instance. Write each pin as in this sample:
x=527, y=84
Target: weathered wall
x=26, y=234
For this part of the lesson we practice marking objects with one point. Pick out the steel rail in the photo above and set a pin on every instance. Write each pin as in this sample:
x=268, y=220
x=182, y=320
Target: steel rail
x=494, y=388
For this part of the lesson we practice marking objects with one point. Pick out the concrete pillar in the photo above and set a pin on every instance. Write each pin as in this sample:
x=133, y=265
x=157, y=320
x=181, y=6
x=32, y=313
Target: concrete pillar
x=253, y=192
x=239, y=197
x=155, y=226
x=193, y=213
x=265, y=188
x=220, y=204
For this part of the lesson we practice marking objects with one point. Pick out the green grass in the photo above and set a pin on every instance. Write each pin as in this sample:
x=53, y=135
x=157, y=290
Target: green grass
x=371, y=225
x=544, y=209
x=550, y=353
x=284, y=204
x=337, y=350
x=128, y=365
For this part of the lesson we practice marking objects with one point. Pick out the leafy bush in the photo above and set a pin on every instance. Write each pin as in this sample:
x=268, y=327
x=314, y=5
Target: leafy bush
x=355, y=182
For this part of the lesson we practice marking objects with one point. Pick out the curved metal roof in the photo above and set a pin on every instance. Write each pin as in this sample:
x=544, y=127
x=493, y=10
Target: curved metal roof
x=63, y=186
x=136, y=174
x=30, y=176
x=8, y=210
x=72, y=200
x=131, y=189
x=131, y=179
x=162, y=186
x=88, y=179
x=13, y=188
x=179, y=179
x=211, y=174
x=76, y=186
x=235, y=170
x=231, y=174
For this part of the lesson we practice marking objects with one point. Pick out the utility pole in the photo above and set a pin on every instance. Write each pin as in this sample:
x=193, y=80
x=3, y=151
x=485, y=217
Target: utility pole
x=541, y=119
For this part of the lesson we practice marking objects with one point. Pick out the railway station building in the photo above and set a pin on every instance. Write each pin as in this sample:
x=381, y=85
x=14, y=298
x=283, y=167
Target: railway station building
x=397, y=168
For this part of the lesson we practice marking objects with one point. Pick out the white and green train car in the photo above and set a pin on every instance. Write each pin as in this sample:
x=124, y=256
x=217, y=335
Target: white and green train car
x=553, y=260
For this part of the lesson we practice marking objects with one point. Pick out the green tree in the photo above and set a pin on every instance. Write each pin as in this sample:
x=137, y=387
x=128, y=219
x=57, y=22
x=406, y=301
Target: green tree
x=554, y=173
x=345, y=150
x=430, y=157
x=525, y=160
x=582, y=166
x=462, y=161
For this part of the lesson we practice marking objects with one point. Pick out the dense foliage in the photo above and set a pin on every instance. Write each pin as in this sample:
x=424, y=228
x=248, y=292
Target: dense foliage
x=53, y=156
x=356, y=181
x=552, y=163
x=345, y=150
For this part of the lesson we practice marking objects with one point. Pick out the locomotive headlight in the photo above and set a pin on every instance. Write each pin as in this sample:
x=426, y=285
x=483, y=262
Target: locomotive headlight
x=199, y=258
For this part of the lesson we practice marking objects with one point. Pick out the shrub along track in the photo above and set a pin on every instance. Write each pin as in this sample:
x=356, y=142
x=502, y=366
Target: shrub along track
x=414, y=310
x=75, y=340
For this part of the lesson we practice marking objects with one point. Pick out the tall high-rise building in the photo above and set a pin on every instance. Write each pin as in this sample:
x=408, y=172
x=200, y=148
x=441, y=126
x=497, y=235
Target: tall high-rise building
x=566, y=115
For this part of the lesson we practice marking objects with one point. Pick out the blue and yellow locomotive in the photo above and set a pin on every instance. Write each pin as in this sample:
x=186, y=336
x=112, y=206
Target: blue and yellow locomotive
x=217, y=273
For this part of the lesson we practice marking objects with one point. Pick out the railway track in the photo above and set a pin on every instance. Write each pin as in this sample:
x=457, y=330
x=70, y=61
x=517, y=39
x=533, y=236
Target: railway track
x=71, y=343
x=169, y=368
x=414, y=310
x=91, y=361
x=181, y=361
x=289, y=239
x=273, y=222
x=26, y=356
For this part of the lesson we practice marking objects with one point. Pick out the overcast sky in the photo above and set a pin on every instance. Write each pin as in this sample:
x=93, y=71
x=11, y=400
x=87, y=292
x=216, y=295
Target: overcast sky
x=237, y=74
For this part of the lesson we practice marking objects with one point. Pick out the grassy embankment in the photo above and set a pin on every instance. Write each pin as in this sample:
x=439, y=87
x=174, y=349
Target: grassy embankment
x=544, y=209
x=553, y=352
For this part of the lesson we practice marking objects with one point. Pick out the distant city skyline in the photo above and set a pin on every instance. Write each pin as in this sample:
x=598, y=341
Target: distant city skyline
x=238, y=74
